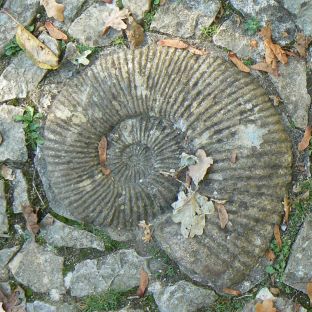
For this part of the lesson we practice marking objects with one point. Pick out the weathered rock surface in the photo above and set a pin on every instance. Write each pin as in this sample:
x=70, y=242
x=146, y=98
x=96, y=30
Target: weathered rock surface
x=5, y=257
x=181, y=297
x=292, y=87
x=24, y=10
x=39, y=269
x=4, y=225
x=185, y=18
x=298, y=271
x=61, y=235
x=119, y=270
x=20, y=196
x=88, y=27
x=39, y=306
x=13, y=146
x=269, y=11
x=302, y=9
x=232, y=37
x=138, y=8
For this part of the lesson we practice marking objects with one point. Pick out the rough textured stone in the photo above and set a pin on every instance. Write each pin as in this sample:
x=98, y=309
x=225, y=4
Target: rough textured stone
x=39, y=269
x=292, y=87
x=185, y=18
x=298, y=270
x=22, y=75
x=181, y=297
x=24, y=11
x=88, y=27
x=138, y=8
x=303, y=12
x=119, y=270
x=269, y=11
x=39, y=306
x=232, y=37
x=5, y=257
x=4, y=225
x=20, y=196
x=13, y=147
x=61, y=235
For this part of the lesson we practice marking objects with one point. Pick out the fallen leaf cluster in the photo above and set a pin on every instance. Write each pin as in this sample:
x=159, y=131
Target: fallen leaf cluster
x=147, y=231
x=13, y=302
x=179, y=44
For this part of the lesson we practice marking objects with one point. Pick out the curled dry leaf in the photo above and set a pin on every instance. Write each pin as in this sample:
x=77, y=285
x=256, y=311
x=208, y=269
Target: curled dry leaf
x=115, y=20
x=265, y=67
x=309, y=292
x=31, y=218
x=54, y=9
x=39, y=53
x=223, y=215
x=102, y=148
x=147, y=231
x=7, y=173
x=270, y=255
x=197, y=51
x=287, y=208
x=199, y=170
x=304, y=143
x=302, y=44
x=55, y=32
x=277, y=235
x=238, y=63
x=173, y=43
x=265, y=306
x=143, y=283
x=232, y=292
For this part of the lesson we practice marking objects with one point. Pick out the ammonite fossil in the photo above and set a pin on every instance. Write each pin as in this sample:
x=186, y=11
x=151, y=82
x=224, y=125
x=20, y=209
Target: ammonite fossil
x=152, y=104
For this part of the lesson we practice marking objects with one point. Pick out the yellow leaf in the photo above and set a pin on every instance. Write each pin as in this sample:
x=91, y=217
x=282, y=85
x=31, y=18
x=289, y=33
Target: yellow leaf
x=53, y=9
x=39, y=53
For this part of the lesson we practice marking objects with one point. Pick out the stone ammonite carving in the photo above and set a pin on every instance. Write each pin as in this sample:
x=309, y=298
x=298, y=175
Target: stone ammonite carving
x=153, y=104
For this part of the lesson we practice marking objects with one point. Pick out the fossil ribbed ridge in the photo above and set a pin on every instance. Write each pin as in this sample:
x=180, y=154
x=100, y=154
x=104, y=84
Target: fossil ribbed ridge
x=152, y=104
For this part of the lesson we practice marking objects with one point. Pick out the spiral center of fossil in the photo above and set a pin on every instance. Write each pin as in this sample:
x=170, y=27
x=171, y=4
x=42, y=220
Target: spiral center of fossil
x=138, y=156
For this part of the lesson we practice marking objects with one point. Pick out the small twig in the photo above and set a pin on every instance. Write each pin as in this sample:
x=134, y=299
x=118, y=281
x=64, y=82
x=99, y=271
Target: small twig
x=34, y=186
x=5, y=11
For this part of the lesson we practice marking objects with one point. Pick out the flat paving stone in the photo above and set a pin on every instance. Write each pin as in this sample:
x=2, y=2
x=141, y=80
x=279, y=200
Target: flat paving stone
x=20, y=196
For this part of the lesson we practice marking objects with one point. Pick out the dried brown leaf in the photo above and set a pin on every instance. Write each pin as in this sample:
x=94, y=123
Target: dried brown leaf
x=265, y=67
x=279, y=53
x=197, y=51
x=199, y=170
x=233, y=158
x=173, y=43
x=270, y=255
x=309, y=291
x=277, y=235
x=287, y=208
x=232, y=292
x=55, y=32
x=115, y=20
x=253, y=43
x=302, y=44
x=238, y=63
x=102, y=148
x=31, y=218
x=223, y=215
x=54, y=9
x=266, y=33
x=270, y=58
x=7, y=173
x=265, y=306
x=305, y=141
x=143, y=283
x=147, y=231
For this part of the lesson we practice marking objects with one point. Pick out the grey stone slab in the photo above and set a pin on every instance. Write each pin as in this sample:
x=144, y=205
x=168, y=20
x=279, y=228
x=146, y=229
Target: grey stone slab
x=185, y=18
x=302, y=9
x=40, y=306
x=4, y=224
x=138, y=8
x=24, y=11
x=182, y=297
x=62, y=235
x=292, y=87
x=269, y=11
x=39, y=269
x=20, y=196
x=88, y=27
x=119, y=271
x=13, y=146
x=298, y=271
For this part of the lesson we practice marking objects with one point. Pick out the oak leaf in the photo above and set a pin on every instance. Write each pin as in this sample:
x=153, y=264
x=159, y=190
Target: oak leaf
x=54, y=9
x=190, y=210
x=31, y=218
x=223, y=215
x=115, y=20
x=39, y=53
x=147, y=231
x=55, y=32
x=265, y=306
x=143, y=283
x=277, y=235
x=305, y=141
x=238, y=63
x=198, y=171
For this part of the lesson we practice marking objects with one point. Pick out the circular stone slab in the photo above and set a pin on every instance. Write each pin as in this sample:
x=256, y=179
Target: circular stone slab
x=153, y=104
